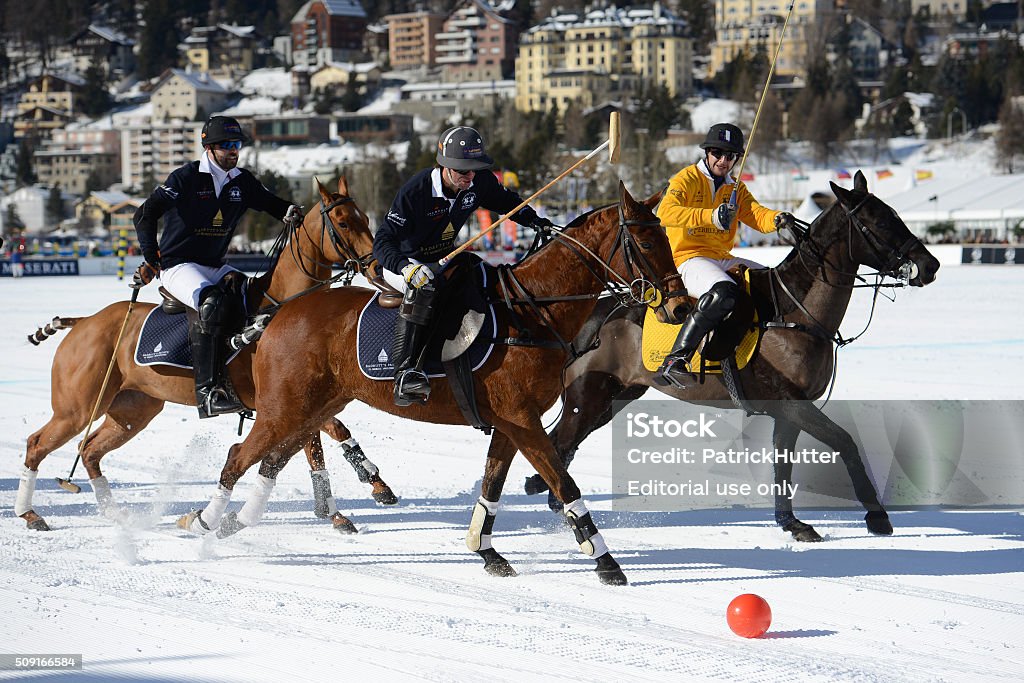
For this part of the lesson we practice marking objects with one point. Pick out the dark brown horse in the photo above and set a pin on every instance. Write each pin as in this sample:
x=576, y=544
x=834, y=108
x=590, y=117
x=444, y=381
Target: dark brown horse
x=136, y=394
x=794, y=365
x=306, y=370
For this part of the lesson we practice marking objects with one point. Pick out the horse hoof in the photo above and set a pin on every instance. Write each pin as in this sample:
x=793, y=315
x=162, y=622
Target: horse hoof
x=535, y=485
x=34, y=522
x=495, y=564
x=383, y=494
x=878, y=523
x=343, y=525
x=229, y=525
x=802, y=532
x=609, y=572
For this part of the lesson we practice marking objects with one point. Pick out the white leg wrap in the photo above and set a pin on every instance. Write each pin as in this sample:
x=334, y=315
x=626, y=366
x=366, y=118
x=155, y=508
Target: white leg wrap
x=252, y=512
x=101, y=489
x=26, y=487
x=478, y=537
x=323, y=498
x=213, y=512
x=590, y=539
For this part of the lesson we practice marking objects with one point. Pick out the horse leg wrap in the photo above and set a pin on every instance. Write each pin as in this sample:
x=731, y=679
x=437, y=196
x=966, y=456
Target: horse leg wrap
x=479, y=535
x=323, y=499
x=26, y=487
x=365, y=469
x=214, y=511
x=104, y=499
x=252, y=512
x=590, y=539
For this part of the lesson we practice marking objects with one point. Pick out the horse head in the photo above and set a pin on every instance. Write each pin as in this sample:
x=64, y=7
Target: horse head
x=879, y=238
x=644, y=257
x=345, y=229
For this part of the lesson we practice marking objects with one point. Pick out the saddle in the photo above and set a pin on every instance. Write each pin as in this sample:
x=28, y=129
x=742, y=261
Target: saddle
x=739, y=335
x=461, y=336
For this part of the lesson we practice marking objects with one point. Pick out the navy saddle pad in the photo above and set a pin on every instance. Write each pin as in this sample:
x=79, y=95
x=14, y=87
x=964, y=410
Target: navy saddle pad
x=376, y=333
x=164, y=341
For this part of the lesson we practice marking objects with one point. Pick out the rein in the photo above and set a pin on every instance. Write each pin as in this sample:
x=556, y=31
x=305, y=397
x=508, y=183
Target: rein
x=514, y=293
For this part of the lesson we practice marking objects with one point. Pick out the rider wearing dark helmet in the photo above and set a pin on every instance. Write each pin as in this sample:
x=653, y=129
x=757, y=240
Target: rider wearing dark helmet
x=421, y=228
x=701, y=226
x=201, y=204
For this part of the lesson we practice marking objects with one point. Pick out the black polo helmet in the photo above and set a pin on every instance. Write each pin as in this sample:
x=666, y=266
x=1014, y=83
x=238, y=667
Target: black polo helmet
x=462, y=148
x=221, y=129
x=724, y=136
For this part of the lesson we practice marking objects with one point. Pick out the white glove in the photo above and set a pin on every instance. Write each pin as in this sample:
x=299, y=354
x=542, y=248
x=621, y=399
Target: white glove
x=417, y=274
x=293, y=215
x=723, y=217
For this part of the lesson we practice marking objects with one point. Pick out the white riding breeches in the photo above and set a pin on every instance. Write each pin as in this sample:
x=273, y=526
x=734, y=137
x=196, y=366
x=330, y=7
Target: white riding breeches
x=186, y=280
x=701, y=273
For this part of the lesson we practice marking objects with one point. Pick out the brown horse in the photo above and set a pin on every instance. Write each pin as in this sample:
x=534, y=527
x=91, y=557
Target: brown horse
x=794, y=364
x=306, y=369
x=136, y=394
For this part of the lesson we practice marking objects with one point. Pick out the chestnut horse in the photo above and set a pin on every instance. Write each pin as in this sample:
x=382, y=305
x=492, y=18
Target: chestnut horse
x=306, y=369
x=136, y=394
x=794, y=365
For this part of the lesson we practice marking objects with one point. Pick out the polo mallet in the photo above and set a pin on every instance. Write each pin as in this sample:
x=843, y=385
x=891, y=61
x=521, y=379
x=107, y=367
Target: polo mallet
x=757, y=115
x=67, y=484
x=612, y=143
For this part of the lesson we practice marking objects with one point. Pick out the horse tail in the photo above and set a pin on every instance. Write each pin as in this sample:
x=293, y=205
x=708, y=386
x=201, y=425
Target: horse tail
x=51, y=329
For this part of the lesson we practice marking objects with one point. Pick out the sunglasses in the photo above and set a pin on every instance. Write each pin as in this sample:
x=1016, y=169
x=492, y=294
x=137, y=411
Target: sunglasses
x=230, y=144
x=464, y=174
x=722, y=154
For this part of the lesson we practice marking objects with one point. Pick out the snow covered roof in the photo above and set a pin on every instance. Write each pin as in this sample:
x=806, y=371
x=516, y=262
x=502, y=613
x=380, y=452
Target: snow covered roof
x=335, y=8
x=111, y=35
x=625, y=17
x=200, y=81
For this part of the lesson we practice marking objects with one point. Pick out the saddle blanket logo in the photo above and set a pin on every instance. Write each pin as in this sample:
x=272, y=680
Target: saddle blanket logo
x=376, y=333
x=163, y=340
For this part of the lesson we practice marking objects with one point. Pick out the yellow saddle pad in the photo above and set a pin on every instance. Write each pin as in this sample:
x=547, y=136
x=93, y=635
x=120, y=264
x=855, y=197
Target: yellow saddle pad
x=659, y=338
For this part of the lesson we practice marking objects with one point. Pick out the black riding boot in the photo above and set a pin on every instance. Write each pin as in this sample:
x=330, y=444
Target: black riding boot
x=712, y=308
x=411, y=383
x=214, y=393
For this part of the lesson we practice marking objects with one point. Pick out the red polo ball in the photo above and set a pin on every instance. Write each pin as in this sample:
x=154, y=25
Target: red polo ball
x=749, y=615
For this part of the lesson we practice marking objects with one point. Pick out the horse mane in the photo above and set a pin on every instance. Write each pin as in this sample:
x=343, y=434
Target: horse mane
x=579, y=220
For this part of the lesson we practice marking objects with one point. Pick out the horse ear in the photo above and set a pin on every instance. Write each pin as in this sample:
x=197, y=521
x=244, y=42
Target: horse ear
x=653, y=200
x=625, y=198
x=841, y=193
x=860, y=182
x=343, y=185
x=322, y=190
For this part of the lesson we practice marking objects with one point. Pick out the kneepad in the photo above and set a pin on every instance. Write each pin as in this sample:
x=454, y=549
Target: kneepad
x=716, y=304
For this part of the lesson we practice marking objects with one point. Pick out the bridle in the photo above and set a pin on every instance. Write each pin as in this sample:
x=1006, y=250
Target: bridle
x=353, y=263
x=642, y=289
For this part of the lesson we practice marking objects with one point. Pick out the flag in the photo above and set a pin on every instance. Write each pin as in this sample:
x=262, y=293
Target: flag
x=843, y=174
x=883, y=174
x=747, y=176
x=921, y=174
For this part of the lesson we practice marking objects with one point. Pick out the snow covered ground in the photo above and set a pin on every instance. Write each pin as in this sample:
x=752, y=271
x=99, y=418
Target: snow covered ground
x=942, y=599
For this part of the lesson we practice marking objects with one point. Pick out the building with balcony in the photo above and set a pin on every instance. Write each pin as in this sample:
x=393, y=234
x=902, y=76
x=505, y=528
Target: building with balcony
x=328, y=30
x=477, y=43
x=747, y=26
x=600, y=55
x=224, y=51
x=149, y=152
x=411, y=39
x=74, y=155
x=106, y=47
x=50, y=102
x=186, y=95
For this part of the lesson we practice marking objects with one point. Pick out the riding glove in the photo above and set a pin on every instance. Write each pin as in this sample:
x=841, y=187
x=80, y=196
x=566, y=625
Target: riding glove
x=144, y=275
x=293, y=216
x=723, y=217
x=541, y=223
x=417, y=274
x=784, y=219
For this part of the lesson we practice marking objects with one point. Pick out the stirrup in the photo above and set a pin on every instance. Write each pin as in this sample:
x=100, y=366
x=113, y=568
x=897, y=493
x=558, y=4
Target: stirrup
x=411, y=386
x=226, y=402
x=673, y=372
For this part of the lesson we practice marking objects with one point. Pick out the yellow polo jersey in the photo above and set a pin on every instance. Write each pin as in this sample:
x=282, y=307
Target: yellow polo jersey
x=687, y=208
